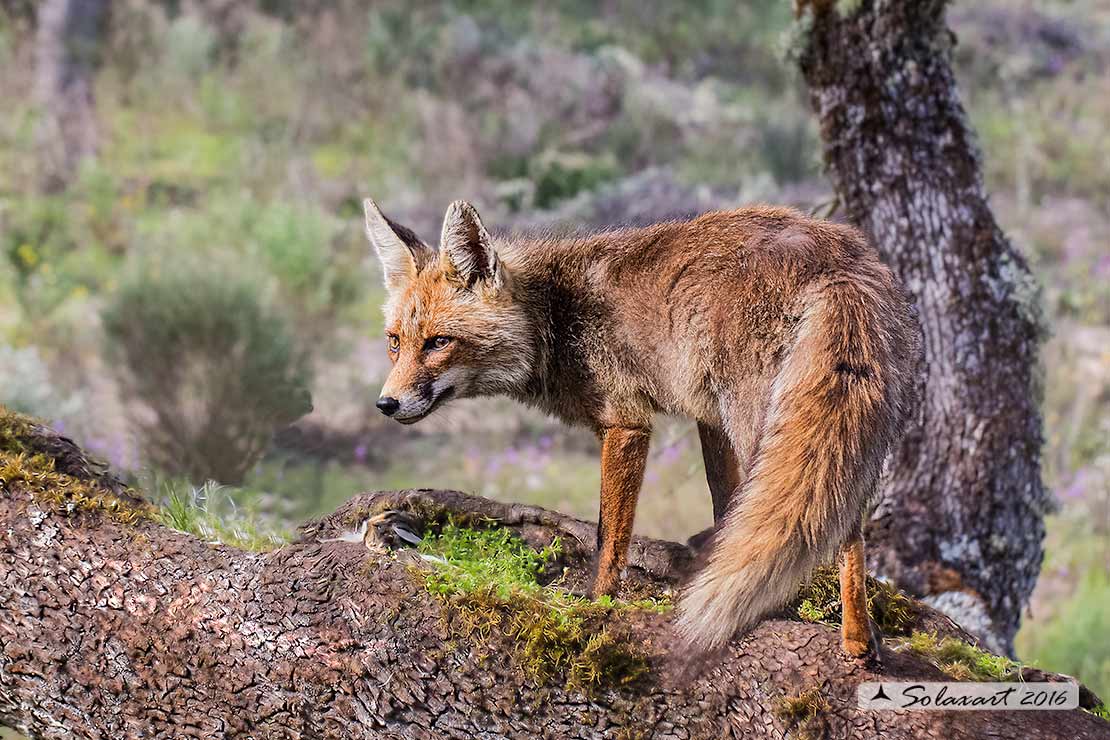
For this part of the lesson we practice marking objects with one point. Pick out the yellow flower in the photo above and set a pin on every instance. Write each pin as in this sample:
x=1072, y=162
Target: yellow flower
x=27, y=255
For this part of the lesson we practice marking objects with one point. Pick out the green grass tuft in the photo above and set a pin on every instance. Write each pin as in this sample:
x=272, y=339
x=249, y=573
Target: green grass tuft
x=959, y=660
x=211, y=513
x=490, y=582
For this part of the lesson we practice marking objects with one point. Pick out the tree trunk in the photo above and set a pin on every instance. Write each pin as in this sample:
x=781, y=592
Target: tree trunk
x=960, y=521
x=113, y=626
x=66, y=59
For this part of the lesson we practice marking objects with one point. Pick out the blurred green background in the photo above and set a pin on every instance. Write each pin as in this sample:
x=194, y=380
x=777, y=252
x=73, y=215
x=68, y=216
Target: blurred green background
x=183, y=295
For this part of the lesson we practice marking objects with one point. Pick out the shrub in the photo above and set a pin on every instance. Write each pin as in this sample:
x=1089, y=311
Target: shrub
x=27, y=386
x=788, y=144
x=214, y=370
x=63, y=246
x=35, y=238
x=295, y=244
x=1074, y=639
x=560, y=175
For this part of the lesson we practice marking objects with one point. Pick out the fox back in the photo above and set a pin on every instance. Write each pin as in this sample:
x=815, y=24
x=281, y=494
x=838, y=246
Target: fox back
x=630, y=322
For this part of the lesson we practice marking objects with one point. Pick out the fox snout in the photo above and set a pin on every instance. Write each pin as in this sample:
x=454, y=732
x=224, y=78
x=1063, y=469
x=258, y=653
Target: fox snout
x=408, y=408
x=411, y=404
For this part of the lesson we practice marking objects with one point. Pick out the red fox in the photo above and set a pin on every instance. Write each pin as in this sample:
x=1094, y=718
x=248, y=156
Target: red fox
x=783, y=337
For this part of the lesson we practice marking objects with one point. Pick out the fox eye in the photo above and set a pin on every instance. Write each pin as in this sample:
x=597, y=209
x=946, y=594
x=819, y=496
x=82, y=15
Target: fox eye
x=437, y=342
x=394, y=343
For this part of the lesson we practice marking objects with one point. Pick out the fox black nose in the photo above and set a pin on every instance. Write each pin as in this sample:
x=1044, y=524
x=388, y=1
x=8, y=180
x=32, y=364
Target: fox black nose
x=388, y=405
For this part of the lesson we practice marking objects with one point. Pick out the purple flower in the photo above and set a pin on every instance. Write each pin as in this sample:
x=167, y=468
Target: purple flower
x=1079, y=485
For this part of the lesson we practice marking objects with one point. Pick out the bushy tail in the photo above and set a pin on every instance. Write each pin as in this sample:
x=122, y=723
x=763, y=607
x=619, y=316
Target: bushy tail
x=834, y=406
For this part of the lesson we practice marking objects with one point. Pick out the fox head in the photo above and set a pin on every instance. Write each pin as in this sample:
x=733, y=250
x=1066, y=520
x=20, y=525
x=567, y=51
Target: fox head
x=453, y=328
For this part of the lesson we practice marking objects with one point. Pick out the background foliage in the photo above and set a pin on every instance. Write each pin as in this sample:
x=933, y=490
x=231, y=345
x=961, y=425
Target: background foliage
x=208, y=265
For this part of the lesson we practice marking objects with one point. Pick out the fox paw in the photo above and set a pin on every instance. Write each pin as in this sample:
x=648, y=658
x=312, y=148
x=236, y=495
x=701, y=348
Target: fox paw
x=866, y=652
x=855, y=648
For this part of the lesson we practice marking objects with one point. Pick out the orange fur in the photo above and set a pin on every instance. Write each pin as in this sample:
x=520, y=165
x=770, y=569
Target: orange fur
x=834, y=409
x=784, y=337
x=855, y=623
x=623, y=455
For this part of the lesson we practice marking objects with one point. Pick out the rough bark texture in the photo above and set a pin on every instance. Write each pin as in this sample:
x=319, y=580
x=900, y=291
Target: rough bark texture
x=116, y=630
x=66, y=57
x=961, y=519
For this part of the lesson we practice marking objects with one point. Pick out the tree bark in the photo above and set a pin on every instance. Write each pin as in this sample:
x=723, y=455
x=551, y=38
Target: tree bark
x=66, y=58
x=113, y=626
x=960, y=521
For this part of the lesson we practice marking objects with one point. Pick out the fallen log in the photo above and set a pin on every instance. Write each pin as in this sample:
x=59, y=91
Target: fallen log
x=115, y=626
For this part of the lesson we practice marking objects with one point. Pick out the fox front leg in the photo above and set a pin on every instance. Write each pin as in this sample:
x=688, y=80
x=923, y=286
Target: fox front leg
x=623, y=456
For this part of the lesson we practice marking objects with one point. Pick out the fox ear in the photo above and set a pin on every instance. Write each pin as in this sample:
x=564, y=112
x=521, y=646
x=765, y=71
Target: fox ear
x=466, y=248
x=401, y=252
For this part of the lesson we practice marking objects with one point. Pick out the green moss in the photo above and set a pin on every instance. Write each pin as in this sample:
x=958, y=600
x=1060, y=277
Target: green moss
x=802, y=712
x=208, y=512
x=488, y=578
x=24, y=466
x=64, y=494
x=960, y=660
x=15, y=429
x=480, y=558
x=819, y=601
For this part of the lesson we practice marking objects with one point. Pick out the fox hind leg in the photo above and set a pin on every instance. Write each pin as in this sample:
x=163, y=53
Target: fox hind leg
x=858, y=638
x=722, y=467
x=723, y=474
